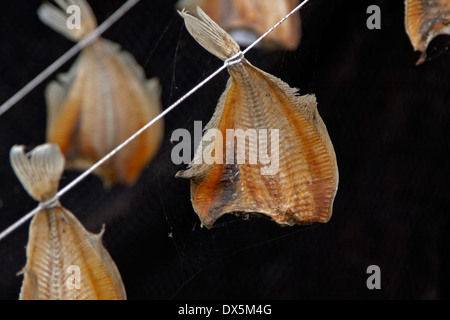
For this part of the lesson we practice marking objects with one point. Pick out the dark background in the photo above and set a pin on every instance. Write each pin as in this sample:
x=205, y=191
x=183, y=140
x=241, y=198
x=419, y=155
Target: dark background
x=388, y=120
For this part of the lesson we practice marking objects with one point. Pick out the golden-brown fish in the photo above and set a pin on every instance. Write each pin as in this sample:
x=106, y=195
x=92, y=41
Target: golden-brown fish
x=59, y=248
x=100, y=102
x=302, y=187
x=246, y=20
x=425, y=20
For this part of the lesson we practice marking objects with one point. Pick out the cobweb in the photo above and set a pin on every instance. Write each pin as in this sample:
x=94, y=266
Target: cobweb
x=381, y=215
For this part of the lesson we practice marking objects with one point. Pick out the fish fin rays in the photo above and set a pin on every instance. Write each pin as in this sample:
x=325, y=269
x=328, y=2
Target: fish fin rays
x=127, y=58
x=96, y=241
x=210, y=35
x=152, y=86
x=306, y=103
x=40, y=170
x=57, y=18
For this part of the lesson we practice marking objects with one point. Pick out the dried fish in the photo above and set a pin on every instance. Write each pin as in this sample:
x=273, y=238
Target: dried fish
x=100, y=102
x=425, y=20
x=64, y=260
x=248, y=20
x=303, y=188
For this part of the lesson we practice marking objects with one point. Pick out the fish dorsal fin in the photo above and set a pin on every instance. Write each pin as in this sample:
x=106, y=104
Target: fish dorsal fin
x=127, y=58
x=306, y=103
x=58, y=18
x=152, y=85
x=39, y=171
x=209, y=35
x=95, y=239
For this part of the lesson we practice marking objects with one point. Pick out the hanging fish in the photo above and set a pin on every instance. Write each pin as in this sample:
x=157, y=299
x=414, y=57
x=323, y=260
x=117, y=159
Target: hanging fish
x=299, y=185
x=100, y=102
x=425, y=20
x=64, y=260
x=249, y=19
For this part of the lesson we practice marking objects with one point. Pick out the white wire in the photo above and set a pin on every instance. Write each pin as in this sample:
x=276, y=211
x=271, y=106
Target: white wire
x=230, y=61
x=91, y=37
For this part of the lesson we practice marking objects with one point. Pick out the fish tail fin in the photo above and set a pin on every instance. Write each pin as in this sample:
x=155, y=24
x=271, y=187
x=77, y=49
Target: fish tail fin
x=210, y=35
x=74, y=18
x=39, y=171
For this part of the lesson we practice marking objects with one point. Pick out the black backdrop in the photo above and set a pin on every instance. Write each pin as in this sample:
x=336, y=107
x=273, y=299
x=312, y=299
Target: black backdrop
x=388, y=120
